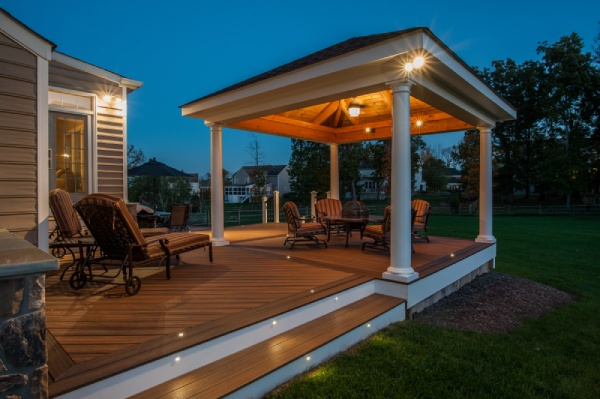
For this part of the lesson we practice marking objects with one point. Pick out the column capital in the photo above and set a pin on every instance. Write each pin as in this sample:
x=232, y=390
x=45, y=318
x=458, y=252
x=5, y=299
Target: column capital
x=399, y=84
x=213, y=125
x=333, y=144
x=485, y=129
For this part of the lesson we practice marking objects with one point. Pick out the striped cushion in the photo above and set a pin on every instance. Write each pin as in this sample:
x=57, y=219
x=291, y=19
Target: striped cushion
x=176, y=242
x=292, y=215
x=64, y=214
x=421, y=208
x=329, y=207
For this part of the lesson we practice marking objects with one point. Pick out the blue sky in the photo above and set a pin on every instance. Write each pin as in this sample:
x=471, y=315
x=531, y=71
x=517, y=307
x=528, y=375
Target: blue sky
x=183, y=50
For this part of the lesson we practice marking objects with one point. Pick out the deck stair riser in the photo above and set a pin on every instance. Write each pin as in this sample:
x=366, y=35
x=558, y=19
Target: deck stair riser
x=256, y=370
x=168, y=368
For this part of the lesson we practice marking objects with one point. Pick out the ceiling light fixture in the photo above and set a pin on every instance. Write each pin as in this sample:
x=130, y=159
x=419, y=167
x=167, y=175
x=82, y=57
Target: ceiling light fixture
x=353, y=109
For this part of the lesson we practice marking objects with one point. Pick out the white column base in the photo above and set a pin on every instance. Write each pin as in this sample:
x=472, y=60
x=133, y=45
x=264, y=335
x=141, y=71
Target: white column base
x=486, y=239
x=219, y=242
x=401, y=277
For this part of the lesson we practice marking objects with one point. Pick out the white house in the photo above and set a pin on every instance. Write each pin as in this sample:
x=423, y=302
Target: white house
x=243, y=182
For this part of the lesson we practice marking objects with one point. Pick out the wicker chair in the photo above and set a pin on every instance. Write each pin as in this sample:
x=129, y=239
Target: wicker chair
x=122, y=243
x=68, y=233
x=329, y=207
x=298, y=231
x=422, y=210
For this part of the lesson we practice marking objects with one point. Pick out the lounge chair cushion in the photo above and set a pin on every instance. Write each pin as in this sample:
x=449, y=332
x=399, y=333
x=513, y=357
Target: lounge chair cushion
x=65, y=215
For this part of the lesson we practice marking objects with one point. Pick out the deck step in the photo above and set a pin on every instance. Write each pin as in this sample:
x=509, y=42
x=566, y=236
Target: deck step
x=232, y=373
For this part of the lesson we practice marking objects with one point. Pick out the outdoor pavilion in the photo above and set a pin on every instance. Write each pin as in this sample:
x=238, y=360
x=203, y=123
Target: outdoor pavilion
x=403, y=83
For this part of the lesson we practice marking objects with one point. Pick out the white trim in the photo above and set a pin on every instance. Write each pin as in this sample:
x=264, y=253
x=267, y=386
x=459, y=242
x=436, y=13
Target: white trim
x=94, y=70
x=25, y=37
x=43, y=146
x=125, y=160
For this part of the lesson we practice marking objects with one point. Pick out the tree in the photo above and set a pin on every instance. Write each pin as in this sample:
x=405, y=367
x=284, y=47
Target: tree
x=134, y=157
x=309, y=169
x=466, y=155
x=434, y=173
x=350, y=157
x=516, y=148
x=571, y=110
x=255, y=151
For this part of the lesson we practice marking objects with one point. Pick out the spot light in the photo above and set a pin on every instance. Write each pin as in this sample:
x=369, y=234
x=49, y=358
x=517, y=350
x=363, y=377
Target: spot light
x=370, y=130
x=181, y=334
x=307, y=358
x=177, y=358
x=274, y=322
x=419, y=61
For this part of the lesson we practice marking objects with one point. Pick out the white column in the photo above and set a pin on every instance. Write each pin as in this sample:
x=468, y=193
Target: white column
x=313, y=201
x=400, y=268
x=485, y=186
x=276, y=206
x=265, y=213
x=334, y=171
x=217, y=214
x=43, y=156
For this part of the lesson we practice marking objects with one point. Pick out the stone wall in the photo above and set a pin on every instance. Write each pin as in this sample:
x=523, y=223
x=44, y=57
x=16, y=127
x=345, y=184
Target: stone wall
x=23, y=355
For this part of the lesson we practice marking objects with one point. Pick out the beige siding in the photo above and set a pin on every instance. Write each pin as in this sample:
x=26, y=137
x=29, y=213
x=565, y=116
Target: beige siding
x=18, y=139
x=109, y=124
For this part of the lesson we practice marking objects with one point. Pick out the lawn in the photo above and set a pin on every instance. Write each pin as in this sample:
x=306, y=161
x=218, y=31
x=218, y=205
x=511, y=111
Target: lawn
x=555, y=356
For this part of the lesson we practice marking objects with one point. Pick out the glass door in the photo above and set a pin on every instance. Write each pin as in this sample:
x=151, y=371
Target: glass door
x=68, y=153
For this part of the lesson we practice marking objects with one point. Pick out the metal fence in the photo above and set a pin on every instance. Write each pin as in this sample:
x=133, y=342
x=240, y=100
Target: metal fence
x=240, y=217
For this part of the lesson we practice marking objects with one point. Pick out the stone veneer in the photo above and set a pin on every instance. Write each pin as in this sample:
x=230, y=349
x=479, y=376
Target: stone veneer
x=23, y=355
x=449, y=289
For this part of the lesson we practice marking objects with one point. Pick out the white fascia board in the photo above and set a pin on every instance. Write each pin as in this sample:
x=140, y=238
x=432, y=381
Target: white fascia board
x=337, y=65
x=327, y=88
x=34, y=43
x=97, y=71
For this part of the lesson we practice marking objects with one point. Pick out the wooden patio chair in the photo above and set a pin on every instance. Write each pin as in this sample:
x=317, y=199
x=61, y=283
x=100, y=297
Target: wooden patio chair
x=122, y=243
x=380, y=233
x=422, y=210
x=329, y=207
x=299, y=230
x=68, y=233
x=180, y=214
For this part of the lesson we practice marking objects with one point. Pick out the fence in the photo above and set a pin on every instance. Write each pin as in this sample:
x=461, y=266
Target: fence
x=242, y=216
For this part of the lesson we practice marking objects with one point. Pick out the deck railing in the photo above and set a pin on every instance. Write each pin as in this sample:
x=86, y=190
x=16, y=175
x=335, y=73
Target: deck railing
x=243, y=216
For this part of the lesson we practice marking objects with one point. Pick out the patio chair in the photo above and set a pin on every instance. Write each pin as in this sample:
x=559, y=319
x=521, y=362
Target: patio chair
x=422, y=210
x=329, y=207
x=180, y=214
x=380, y=233
x=122, y=244
x=68, y=233
x=299, y=230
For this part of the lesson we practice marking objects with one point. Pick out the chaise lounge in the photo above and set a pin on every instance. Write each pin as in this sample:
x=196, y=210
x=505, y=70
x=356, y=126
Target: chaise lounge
x=120, y=240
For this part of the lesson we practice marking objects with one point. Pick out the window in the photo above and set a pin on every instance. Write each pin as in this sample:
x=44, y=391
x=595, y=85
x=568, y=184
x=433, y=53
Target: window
x=68, y=142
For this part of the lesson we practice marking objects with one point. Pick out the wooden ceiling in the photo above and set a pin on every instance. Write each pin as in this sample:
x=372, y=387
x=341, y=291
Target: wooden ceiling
x=330, y=122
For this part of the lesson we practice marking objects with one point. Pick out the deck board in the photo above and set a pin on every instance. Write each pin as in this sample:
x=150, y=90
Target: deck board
x=102, y=330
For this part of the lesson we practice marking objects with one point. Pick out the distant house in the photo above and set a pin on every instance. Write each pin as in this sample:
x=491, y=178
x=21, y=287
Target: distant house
x=63, y=123
x=243, y=182
x=453, y=175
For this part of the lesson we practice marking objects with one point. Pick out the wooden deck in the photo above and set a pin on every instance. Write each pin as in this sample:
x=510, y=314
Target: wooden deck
x=99, y=331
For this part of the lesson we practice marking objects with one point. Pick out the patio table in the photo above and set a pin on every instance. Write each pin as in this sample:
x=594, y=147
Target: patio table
x=350, y=223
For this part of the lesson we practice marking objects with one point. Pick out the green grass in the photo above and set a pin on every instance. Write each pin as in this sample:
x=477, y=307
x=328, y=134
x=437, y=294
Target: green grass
x=555, y=356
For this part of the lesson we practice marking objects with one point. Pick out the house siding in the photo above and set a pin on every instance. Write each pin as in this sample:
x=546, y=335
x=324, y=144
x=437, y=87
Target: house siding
x=18, y=139
x=110, y=125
